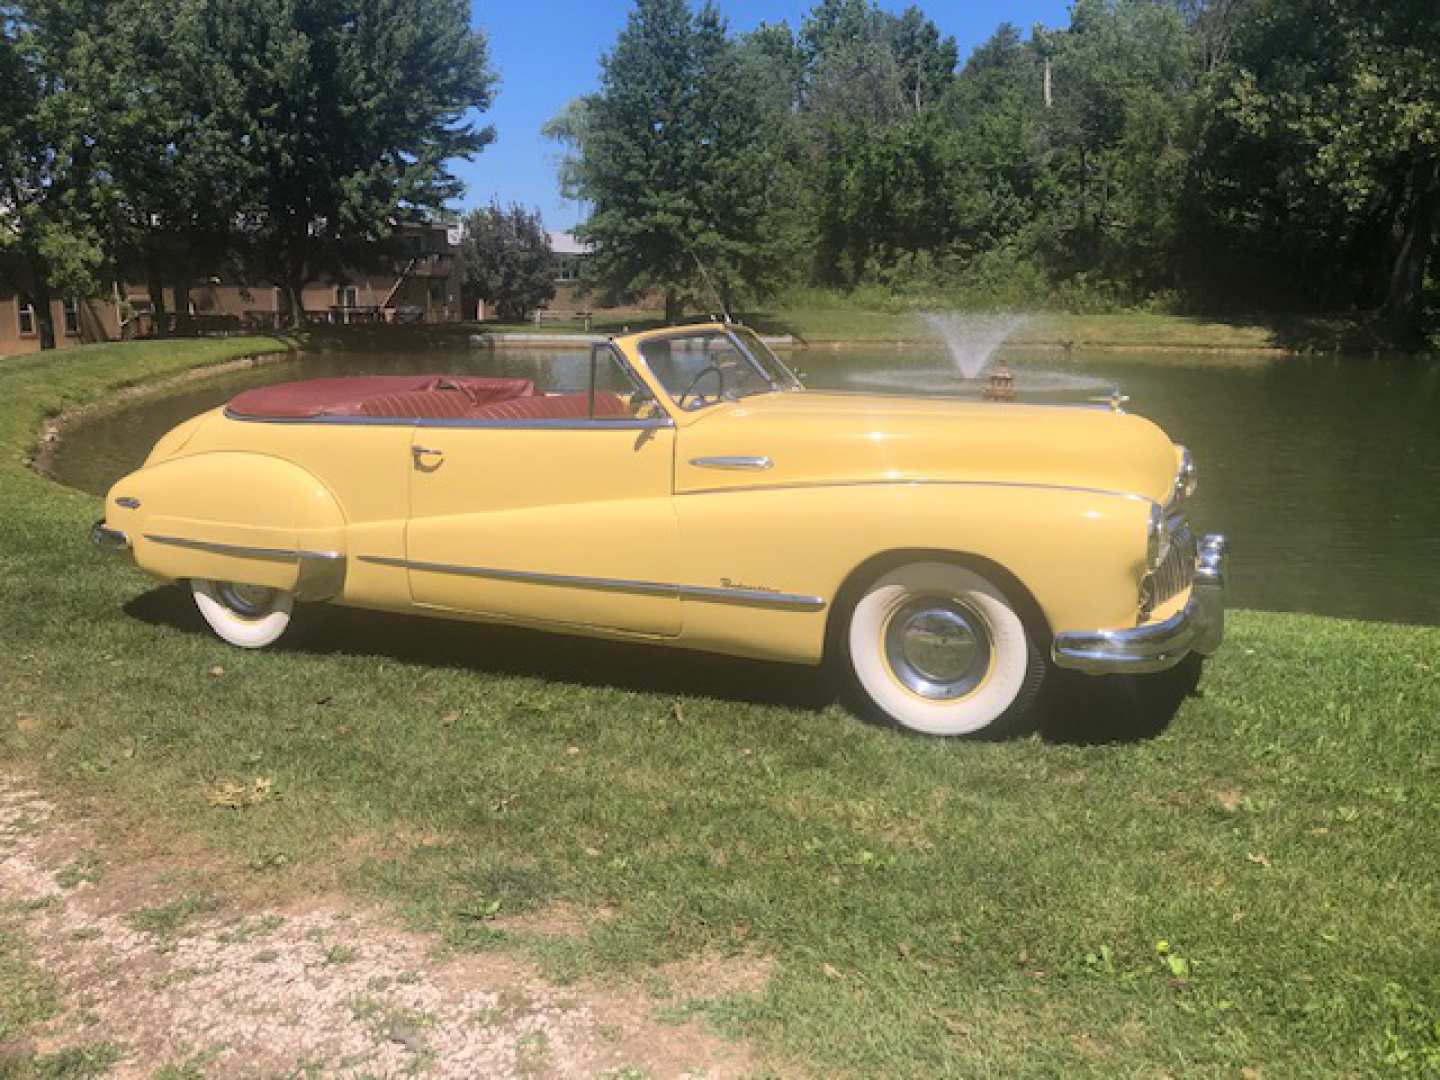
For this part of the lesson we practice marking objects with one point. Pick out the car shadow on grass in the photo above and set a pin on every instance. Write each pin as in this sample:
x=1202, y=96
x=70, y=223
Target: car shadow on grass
x=1074, y=709
x=491, y=649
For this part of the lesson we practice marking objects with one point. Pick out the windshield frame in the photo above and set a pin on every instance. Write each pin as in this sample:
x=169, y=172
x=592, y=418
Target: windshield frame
x=766, y=366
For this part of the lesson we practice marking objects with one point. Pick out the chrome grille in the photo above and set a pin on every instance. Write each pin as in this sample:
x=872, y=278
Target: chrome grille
x=1177, y=572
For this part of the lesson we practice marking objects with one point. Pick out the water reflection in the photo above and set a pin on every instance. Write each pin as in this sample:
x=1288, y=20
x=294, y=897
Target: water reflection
x=1323, y=472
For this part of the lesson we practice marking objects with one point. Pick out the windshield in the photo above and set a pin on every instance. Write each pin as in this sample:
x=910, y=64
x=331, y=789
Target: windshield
x=706, y=367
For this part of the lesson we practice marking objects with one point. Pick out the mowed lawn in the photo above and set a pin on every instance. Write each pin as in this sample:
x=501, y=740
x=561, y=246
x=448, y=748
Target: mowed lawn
x=1249, y=883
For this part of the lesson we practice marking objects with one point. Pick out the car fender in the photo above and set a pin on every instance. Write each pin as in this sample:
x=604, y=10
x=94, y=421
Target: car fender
x=233, y=516
x=1079, y=553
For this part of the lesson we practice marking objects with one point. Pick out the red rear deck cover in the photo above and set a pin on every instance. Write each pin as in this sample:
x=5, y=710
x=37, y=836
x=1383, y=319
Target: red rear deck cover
x=346, y=396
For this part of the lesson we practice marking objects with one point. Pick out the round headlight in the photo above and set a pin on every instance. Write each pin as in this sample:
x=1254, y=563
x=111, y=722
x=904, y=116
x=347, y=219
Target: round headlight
x=1186, y=480
x=1157, y=539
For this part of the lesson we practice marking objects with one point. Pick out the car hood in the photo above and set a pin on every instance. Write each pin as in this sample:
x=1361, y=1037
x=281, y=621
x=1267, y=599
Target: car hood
x=815, y=437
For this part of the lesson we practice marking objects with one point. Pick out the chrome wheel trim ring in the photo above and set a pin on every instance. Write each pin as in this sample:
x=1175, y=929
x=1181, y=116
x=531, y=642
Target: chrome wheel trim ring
x=248, y=601
x=937, y=647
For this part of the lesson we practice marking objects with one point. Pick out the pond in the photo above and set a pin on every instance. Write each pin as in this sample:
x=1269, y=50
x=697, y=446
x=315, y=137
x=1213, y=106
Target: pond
x=1324, y=473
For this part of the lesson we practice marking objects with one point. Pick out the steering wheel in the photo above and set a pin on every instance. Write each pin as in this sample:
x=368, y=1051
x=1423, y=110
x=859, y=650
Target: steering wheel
x=690, y=387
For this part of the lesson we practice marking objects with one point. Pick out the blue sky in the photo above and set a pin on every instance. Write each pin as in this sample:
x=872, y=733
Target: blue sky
x=548, y=51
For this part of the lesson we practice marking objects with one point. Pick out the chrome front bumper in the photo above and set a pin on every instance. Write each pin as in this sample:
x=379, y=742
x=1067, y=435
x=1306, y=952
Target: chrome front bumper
x=108, y=539
x=1157, y=646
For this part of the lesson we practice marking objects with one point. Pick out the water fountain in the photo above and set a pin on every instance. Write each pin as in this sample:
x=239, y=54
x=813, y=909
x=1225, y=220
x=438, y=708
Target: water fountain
x=972, y=340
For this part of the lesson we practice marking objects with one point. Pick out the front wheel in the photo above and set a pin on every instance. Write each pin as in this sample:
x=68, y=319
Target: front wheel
x=939, y=649
x=250, y=616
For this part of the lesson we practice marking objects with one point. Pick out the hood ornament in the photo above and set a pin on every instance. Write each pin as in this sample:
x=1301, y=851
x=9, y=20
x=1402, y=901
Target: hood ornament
x=1001, y=386
x=1115, y=399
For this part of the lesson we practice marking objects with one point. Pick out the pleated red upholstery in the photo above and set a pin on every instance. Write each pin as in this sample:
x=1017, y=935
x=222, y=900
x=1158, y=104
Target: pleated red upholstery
x=419, y=405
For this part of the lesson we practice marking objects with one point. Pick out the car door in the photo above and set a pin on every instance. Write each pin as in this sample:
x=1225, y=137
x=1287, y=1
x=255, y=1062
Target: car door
x=550, y=518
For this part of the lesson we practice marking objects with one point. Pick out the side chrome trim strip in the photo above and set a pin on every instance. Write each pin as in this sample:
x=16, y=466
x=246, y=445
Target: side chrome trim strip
x=750, y=597
x=322, y=573
x=244, y=551
x=628, y=424
x=903, y=482
x=734, y=461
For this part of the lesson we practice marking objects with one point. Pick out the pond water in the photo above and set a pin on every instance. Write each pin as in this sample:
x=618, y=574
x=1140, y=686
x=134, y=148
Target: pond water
x=1324, y=473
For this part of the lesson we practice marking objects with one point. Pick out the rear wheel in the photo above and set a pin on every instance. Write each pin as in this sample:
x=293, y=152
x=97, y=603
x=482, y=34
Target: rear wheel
x=938, y=648
x=250, y=616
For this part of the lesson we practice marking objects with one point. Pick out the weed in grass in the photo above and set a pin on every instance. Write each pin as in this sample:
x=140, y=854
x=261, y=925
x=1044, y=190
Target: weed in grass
x=169, y=920
x=532, y=1052
x=248, y=929
x=85, y=870
x=338, y=954
x=27, y=995
x=75, y=1063
x=192, y=1068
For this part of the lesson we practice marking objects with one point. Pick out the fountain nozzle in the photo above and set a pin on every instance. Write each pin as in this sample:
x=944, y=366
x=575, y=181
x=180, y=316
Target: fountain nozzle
x=1001, y=386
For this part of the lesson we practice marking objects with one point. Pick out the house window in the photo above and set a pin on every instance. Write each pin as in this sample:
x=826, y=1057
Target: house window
x=25, y=319
x=348, y=296
x=72, y=318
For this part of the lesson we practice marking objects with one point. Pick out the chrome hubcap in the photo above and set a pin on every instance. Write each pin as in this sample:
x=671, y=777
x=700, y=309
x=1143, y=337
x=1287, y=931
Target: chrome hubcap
x=937, y=648
x=248, y=600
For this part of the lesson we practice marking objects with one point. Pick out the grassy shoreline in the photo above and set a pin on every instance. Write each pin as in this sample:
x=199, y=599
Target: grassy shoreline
x=930, y=908
x=838, y=326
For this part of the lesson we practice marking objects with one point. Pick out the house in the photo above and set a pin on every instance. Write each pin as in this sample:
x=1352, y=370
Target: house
x=421, y=284
x=570, y=255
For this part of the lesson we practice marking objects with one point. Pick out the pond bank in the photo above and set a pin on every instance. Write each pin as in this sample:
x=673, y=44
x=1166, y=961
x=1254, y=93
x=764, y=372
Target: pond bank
x=1115, y=896
x=842, y=327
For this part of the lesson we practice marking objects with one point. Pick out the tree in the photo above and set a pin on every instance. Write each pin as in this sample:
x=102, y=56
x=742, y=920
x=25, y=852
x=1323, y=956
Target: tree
x=47, y=169
x=674, y=156
x=1322, y=151
x=350, y=113
x=507, y=259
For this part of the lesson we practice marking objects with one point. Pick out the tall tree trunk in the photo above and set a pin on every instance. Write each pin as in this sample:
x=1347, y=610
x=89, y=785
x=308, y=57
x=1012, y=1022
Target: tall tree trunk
x=44, y=316
x=159, y=326
x=1415, y=241
x=294, y=287
x=181, y=289
x=673, y=310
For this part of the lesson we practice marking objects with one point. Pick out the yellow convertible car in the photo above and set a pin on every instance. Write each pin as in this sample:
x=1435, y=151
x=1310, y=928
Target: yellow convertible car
x=943, y=554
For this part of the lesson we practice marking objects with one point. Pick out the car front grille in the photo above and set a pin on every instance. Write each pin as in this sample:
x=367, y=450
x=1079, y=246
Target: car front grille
x=1177, y=572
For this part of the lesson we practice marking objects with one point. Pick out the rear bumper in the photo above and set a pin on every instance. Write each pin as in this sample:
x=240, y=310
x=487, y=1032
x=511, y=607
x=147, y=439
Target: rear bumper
x=1198, y=628
x=108, y=539
x=111, y=540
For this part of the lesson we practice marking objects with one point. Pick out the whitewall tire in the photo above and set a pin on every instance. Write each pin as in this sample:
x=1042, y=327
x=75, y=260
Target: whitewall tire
x=939, y=649
x=249, y=616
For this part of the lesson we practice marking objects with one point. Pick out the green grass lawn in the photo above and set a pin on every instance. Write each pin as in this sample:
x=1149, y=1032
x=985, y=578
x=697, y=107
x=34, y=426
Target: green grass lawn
x=821, y=320
x=1254, y=885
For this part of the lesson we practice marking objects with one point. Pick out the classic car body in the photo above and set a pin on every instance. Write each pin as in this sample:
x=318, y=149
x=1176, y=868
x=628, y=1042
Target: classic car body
x=689, y=491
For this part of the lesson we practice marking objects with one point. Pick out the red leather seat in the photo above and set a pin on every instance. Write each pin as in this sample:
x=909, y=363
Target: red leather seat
x=419, y=405
x=554, y=407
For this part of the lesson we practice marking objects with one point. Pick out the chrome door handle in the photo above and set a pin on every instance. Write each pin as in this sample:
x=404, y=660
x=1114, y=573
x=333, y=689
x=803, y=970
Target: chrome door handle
x=420, y=453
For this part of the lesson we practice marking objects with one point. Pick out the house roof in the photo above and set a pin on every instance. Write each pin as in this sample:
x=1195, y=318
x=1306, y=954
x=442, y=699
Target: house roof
x=564, y=243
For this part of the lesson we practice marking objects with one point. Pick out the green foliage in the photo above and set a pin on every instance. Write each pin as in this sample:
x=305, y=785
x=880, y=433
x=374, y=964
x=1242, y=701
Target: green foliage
x=1198, y=154
x=276, y=139
x=682, y=161
x=508, y=261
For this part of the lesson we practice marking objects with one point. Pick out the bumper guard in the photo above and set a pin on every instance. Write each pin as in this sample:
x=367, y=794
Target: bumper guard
x=1198, y=628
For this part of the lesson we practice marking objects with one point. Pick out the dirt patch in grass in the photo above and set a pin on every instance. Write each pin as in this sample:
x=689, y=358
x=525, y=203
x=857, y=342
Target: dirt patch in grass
x=147, y=959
